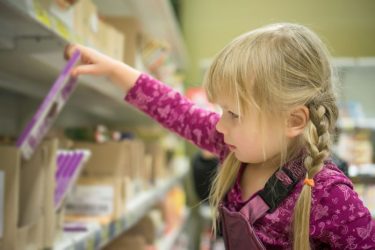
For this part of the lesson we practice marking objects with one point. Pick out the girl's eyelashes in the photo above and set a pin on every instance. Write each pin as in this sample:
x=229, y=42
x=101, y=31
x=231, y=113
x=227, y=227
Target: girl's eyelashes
x=233, y=115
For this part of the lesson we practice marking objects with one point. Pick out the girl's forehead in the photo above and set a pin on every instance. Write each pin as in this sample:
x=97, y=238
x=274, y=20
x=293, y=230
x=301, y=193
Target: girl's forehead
x=226, y=102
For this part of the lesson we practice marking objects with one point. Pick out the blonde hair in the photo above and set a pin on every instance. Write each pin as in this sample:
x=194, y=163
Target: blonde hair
x=275, y=69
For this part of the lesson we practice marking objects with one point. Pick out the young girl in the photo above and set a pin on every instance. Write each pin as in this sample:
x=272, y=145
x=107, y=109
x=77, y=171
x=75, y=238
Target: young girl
x=277, y=187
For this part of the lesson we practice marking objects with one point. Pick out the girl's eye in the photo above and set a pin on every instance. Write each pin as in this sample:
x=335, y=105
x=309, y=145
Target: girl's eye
x=233, y=115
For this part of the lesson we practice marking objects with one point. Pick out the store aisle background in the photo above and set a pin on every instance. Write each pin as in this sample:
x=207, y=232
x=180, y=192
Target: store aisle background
x=141, y=172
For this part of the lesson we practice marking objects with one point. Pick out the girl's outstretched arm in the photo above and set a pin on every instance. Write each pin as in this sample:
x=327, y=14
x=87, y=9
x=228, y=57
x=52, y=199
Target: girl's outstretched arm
x=97, y=64
x=162, y=103
x=178, y=114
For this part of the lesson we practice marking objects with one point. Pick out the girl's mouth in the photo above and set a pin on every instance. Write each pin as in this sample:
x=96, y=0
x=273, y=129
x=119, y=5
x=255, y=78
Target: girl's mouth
x=231, y=147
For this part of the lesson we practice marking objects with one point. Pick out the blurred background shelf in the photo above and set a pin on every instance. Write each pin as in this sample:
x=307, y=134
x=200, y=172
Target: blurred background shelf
x=349, y=123
x=97, y=236
x=32, y=56
x=169, y=239
x=157, y=19
x=364, y=179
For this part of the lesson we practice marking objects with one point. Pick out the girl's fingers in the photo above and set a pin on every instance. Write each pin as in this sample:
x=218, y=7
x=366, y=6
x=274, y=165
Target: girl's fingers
x=67, y=51
x=87, y=55
x=89, y=69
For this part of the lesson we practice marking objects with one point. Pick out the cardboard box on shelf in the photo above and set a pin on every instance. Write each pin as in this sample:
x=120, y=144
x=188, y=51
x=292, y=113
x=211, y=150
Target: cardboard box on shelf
x=96, y=198
x=146, y=173
x=28, y=212
x=145, y=227
x=137, y=153
x=131, y=29
x=107, y=159
x=59, y=219
x=159, y=161
x=110, y=41
x=122, y=161
x=86, y=22
x=124, y=158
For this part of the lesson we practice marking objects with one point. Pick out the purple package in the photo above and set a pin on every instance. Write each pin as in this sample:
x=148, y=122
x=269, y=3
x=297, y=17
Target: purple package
x=70, y=175
x=48, y=111
x=64, y=174
x=62, y=157
x=64, y=165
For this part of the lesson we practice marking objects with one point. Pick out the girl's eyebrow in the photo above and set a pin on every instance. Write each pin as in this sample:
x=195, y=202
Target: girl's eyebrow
x=223, y=106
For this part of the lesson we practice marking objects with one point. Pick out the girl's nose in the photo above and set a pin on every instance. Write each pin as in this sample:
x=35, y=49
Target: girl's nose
x=220, y=127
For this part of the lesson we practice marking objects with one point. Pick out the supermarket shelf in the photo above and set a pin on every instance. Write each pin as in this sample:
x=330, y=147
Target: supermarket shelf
x=205, y=212
x=362, y=174
x=157, y=19
x=363, y=179
x=97, y=236
x=362, y=170
x=352, y=62
x=32, y=40
x=348, y=123
x=167, y=242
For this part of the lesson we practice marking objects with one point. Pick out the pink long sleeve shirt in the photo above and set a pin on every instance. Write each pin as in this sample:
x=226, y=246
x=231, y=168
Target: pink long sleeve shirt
x=339, y=219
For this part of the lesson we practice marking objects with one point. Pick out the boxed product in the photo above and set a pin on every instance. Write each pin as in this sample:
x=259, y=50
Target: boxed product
x=69, y=166
x=28, y=220
x=159, y=161
x=121, y=168
x=136, y=164
x=107, y=159
x=145, y=227
x=124, y=158
x=146, y=171
x=131, y=29
x=99, y=198
x=110, y=173
x=86, y=20
x=154, y=54
x=49, y=109
x=110, y=41
x=95, y=32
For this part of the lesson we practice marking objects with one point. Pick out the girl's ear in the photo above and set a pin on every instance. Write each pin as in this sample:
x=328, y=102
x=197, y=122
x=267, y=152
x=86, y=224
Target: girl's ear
x=297, y=121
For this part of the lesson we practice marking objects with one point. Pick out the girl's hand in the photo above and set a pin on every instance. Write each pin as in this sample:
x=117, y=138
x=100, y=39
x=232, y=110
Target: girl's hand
x=97, y=64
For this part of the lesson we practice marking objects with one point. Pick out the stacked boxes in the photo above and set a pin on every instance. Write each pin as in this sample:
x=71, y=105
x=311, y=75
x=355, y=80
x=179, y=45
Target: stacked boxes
x=95, y=32
x=28, y=220
x=113, y=175
x=165, y=218
x=99, y=191
x=131, y=29
x=117, y=37
x=159, y=161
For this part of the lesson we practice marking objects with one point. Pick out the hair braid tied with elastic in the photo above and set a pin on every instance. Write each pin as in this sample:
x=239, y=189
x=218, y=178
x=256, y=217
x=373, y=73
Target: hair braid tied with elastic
x=317, y=137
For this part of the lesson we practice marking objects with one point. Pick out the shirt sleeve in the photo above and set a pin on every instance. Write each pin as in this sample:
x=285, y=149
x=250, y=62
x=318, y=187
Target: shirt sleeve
x=340, y=219
x=178, y=114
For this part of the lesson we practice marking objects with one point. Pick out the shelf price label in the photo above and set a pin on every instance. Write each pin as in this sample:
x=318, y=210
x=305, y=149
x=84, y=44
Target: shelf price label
x=41, y=14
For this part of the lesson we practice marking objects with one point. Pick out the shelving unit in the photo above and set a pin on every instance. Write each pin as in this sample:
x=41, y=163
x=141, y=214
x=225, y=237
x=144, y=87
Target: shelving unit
x=167, y=242
x=157, y=19
x=32, y=55
x=346, y=123
x=32, y=42
x=363, y=179
x=97, y=236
